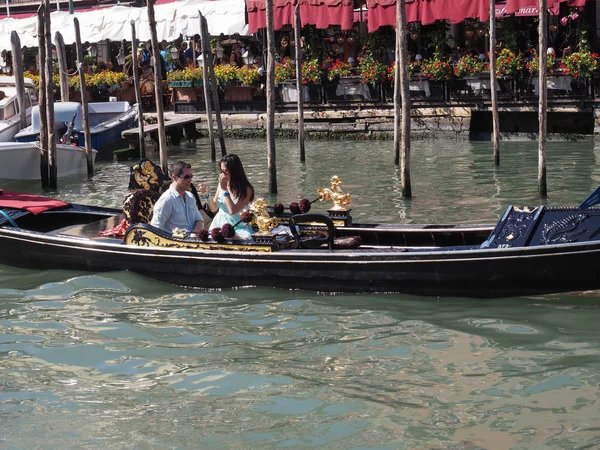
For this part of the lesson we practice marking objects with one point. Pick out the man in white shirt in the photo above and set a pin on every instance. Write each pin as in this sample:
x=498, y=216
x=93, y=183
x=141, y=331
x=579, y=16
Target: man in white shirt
x=176, y=208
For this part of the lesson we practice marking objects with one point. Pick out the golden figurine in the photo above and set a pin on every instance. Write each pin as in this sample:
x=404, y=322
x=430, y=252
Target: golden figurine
x=179, y=233
x=261, y=218
x=340, y=200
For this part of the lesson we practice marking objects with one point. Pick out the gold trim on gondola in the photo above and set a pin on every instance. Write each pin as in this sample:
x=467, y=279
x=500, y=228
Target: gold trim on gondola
x=525, y=209
x=143, y=237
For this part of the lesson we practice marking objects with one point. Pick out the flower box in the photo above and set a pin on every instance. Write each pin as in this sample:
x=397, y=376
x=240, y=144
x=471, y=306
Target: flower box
x=186, y=94
x=239, y=93
x=126, y=94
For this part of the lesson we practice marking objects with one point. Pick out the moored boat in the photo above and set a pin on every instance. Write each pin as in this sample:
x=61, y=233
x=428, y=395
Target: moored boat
x=10, y=119
x=21, y=160
x=107, y=121
x=529, y=251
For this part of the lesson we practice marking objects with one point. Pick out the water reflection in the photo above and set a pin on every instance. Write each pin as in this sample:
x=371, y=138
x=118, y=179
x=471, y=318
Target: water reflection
x=451, y=181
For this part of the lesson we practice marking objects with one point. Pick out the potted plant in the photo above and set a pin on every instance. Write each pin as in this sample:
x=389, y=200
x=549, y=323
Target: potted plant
x=338, y=69
x=468, y=66
x=533, y=65
x=436, y=70
x=75, y=87
x=580, y=64
x=311, y=76
x=372, y=73
x=284, y=71
x=508, y=64
x=390, y=77
x=186, y=77
x=247, y=77
x=311, y=72
x=227, y=75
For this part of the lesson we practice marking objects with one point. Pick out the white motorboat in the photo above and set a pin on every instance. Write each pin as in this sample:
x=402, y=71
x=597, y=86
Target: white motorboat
x=107, y=121
x=21, y=160
x=10, y=119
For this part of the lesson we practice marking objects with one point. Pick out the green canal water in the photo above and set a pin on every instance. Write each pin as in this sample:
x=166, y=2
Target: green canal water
x=114, y=360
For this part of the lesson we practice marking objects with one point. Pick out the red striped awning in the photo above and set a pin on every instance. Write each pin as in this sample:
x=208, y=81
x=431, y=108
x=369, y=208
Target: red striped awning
x=383, y=12
x=321, y=13
x=283, y=14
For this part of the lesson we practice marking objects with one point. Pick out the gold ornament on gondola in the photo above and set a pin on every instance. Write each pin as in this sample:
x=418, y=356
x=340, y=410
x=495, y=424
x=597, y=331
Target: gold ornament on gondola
x=261, y=217
x=340, y=199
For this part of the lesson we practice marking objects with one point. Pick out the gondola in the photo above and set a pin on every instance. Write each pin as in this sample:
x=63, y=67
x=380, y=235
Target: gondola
x=529, y=251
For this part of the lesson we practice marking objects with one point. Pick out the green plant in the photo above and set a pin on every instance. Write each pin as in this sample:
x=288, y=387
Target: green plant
x=412, y=67
x=533, y=65
x=436, y=69
x=338, y=69
x=227, y=74
x=372, y=71
x=468, y=66
x=507, y=63
x=106, y=80
x=579, y=64
x=311, y=71
x=285, y=71
x=186, y=74
x=248, y=76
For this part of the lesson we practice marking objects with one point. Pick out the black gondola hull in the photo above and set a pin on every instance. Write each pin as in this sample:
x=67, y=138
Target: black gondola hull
x=470, y=272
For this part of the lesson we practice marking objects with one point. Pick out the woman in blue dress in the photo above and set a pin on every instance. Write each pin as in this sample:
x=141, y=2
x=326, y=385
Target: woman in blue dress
x=233, y=194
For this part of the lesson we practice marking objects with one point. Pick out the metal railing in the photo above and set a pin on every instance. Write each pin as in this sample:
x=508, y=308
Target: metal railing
x=454, y=91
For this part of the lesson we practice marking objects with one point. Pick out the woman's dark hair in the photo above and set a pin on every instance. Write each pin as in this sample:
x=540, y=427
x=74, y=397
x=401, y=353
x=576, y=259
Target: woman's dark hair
x=238, y=181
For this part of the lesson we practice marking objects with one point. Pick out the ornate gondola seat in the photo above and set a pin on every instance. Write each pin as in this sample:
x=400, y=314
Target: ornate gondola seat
x=314, y=231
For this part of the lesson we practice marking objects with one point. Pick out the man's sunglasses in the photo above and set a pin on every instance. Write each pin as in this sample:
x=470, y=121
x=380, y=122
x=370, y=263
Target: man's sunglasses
x=187, y=177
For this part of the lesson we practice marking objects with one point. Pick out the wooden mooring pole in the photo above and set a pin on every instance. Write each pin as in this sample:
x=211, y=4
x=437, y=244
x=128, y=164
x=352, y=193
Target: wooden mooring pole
x=543, y=100
x=138, y=92
x=158, y=90
x=44, y=173
x=401, y=89
x=206, y=85
x=271, y=155
x=213, y=84
x=17, y=55
x=298, y=51
x=62, y=66
x=52, y=168
x=493, y=93
x=85, y=120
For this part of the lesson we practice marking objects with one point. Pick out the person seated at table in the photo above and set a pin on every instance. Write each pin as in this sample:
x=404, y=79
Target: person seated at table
x=235, y=59
x=233, y=194
x=176, y=208
x=188, y=56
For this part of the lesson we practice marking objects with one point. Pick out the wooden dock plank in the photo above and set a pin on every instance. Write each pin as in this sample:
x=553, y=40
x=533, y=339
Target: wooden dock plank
x=171, y=120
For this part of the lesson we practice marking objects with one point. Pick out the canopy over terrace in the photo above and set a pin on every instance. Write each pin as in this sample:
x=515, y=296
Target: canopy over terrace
x=113, y=23
x=512, y=6
x=321, y=13
x=383, y=12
